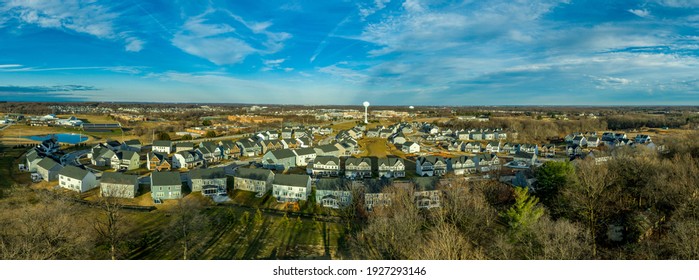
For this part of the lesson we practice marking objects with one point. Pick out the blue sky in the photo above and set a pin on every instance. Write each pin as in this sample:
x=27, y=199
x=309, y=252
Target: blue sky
x=409, y=52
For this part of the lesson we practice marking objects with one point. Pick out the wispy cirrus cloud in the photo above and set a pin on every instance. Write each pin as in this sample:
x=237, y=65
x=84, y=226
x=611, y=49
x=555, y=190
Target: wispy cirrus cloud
x=80, y=16
x=210, y=37
x=46, y=89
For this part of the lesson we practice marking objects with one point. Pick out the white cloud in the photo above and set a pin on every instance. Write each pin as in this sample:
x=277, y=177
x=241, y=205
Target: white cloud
x=272, y=64
x=378, y=5
x=641, y=13
x=679, y=3
x=221, y=43
x=134, y=45
x=10, y=65
x=80, y=16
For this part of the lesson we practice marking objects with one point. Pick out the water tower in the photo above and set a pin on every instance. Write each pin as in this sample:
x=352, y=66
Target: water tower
x=366, y=107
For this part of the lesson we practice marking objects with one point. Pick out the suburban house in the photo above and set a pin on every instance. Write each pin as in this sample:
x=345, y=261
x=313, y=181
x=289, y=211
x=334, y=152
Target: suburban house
x=76, y=179
x=271, y=145
x=487, y=162
x=375, y=197
x=508, y=148
x=373, y=133
x=162, y=146
x=208, y=181
x=230, y=149
x=279, y=159
x=430, y=166
x=113, y=145
x=125, y=160
x=184, y=146
x=410, y=147
x=593, y=141
x=249, y=148
x=642, y=139
x=461, y=165
x=166, y=185
x=391, y=167
x=528, y=148
x=253, y=180
x=324, y=166
x=573, y=150
x=358, y=167
x=115, y=184
x=328, y=150
x=529, y=158
x=48, y=169
x=158, y=161
x=210, y=151
x=102, y=156
x=133, y=145
x=304, y=142
x=304, y=156
x=548, y=150
x=579, y=140
x=287, y=133
x=425, y=194
x=31, y=159
x=492, y=147
x=187, y=159
x=325, y=130
x=333, y=193
x=472, y=147
x=398, y=138
x=291, y=188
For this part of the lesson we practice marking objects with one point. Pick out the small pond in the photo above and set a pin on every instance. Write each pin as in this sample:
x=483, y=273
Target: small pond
x=70, y=138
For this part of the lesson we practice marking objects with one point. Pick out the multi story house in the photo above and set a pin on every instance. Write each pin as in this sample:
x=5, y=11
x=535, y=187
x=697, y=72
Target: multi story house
x=324, y=166
x=291, y=188
x=430, y=166
x=357, y=168
x=253, y=180
x=392, y=167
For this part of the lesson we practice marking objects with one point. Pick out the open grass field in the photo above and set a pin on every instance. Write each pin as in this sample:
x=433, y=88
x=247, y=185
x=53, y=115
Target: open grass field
x=232, y=232
x=377, y=147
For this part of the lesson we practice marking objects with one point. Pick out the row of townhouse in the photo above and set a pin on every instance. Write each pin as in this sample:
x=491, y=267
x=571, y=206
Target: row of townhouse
x=285, y=159
x=356, y=168
x=329, y=192
x=481, y=134
x=460, y=165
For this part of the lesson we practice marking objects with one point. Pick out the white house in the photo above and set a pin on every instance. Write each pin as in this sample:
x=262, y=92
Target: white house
x=162, y=146
x=430, y=166
x=76, y=179
x=291, y=187
x=115, y=184
x=410, y=147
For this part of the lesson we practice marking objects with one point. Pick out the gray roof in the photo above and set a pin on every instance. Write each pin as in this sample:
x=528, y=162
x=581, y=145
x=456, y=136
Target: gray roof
x=305, y=151
x=326, y=159
x=164, y=178
x=162, y=143
x=185, y=145
x=118, y=178
x=158, y=156
x=255, y=174
x=431, y=159
x=425, y=183
x=132, y=142
x=283, y=153
x=356, y=161
x=32, y=155
x=291, y=180
x=47, y=163
x=128, y=154
x=207, y=173
x=332, y=184
x=73, y=172
x=409, y=143
x=390, y=161
x=328, y=148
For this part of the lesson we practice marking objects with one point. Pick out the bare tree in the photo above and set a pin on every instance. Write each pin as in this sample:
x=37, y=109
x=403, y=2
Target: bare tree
x=110, y=223
x=587, y=194
x=187, y=221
